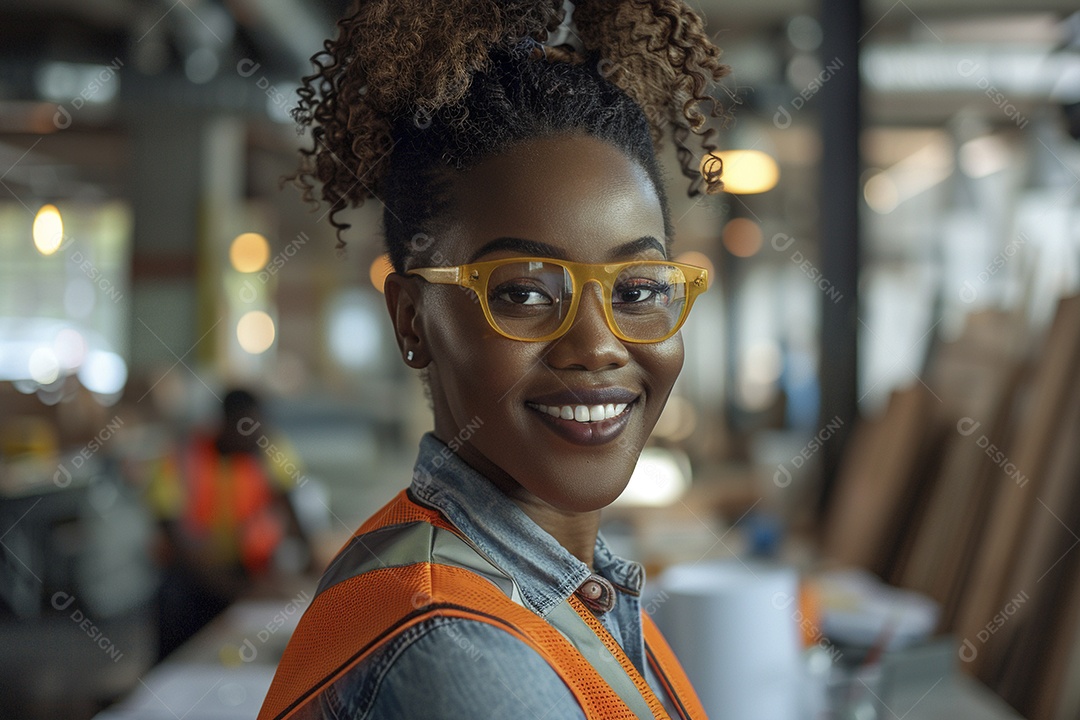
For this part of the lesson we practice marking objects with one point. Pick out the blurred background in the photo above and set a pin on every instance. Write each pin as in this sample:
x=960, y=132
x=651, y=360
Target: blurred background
x=880, y=392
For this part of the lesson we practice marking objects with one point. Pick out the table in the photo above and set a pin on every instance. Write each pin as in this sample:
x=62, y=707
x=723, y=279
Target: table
x=225, y=671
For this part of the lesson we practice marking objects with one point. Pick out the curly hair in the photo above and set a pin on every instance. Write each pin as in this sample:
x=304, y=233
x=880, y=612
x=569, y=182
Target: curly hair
x=411, y=91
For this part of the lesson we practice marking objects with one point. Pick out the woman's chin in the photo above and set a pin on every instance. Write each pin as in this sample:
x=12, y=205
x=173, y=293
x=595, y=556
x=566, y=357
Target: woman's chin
x=585, y=502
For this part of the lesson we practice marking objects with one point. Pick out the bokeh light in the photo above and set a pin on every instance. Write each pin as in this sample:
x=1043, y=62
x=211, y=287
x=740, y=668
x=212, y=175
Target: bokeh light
x=249, y=252
x=44, y=366
x=48, y=230
x=747, y=172
x=255, y=332
x=104, y=372
x=881, y=193
x=660, y=478
x=742, y=237
x=70, y=348
x=380, y=268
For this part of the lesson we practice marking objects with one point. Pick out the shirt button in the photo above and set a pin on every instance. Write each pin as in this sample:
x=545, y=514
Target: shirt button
x=591, y=589
x=597, y=593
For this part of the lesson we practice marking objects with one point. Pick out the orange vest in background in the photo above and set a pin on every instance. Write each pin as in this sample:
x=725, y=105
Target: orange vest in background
x=425, y=568
x=230, y=503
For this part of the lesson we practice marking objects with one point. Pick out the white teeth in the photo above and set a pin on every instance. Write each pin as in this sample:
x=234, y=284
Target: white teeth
x=583, y=413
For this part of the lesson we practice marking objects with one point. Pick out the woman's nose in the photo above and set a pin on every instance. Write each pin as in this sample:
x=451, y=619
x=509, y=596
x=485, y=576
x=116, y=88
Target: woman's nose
x=589, y=343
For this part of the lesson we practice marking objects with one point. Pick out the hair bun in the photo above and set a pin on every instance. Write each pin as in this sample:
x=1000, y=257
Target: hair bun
x=417, y=59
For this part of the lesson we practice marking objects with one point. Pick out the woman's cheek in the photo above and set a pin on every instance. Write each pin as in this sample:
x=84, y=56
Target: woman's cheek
x=663, y=362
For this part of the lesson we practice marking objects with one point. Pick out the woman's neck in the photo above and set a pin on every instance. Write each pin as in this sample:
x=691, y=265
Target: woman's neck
x=575, y=531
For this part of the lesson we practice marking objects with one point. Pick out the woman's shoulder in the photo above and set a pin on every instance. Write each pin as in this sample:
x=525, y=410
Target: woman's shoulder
x=451, y=667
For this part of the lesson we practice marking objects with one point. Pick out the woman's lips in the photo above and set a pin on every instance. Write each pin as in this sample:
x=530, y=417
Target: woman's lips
x=576, y=423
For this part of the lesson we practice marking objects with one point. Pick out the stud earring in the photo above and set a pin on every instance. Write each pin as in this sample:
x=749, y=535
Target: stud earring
x=409, y=355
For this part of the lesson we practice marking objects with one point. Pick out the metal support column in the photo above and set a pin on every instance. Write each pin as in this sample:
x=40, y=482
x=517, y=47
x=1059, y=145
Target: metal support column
x=841, y=124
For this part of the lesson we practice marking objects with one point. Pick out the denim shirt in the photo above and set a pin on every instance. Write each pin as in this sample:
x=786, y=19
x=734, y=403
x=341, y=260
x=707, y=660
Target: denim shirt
x=452, y=668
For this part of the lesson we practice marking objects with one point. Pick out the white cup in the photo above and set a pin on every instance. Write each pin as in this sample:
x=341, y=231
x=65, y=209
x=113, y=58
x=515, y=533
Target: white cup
x=734, y=628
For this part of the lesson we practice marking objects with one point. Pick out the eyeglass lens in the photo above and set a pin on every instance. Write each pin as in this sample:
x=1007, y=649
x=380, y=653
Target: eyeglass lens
x=531, y=299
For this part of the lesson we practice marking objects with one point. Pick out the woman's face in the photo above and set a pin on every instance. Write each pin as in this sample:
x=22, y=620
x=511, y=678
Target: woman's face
x=572, y=197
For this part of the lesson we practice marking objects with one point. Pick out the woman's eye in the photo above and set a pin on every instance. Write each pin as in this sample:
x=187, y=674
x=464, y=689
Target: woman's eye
x=521, y=295
x=632, y=293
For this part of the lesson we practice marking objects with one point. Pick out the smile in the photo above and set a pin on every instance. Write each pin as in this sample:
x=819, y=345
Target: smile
x=582, y=413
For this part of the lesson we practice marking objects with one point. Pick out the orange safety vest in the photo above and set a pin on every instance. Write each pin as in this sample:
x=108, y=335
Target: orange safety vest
x=231, y=495
x=407, y=564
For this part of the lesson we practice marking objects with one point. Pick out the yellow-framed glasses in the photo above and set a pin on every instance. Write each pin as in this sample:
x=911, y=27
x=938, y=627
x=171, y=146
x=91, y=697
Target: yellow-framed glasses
x=536, y=299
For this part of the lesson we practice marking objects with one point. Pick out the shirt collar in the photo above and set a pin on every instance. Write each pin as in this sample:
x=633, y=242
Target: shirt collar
x=545, y=571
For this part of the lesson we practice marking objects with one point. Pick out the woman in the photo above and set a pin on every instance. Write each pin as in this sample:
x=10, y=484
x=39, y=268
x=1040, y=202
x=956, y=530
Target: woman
x=528, y=228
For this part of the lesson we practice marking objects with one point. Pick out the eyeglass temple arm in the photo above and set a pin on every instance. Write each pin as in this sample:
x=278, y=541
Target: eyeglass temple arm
x=438, y=275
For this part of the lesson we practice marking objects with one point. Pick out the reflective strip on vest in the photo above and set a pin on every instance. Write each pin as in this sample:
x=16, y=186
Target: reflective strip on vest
x=399, y=545
x=397, y=558
x=570, y=624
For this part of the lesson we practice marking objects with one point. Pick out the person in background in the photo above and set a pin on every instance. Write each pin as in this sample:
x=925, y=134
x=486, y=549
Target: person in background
x=223, y=507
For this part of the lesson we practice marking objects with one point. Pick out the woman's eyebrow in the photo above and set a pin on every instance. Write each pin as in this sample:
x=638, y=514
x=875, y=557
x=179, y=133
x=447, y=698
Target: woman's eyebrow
x=537, y=248
x=637, y=247
x=527, y=247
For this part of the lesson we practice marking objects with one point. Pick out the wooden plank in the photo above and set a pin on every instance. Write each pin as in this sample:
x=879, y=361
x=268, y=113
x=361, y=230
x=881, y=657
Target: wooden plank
x=974, y=377
x=952, y=528
x=875, y=483
x=910, y=522
x=1030, y=651
x=1020, y=475
x=1062, y=693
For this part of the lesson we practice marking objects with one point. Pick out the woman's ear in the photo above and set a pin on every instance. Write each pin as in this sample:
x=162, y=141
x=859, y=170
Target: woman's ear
x=403, y=303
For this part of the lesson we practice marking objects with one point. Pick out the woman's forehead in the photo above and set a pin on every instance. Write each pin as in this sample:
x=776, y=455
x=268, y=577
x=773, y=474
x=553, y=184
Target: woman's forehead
x=577, y=194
